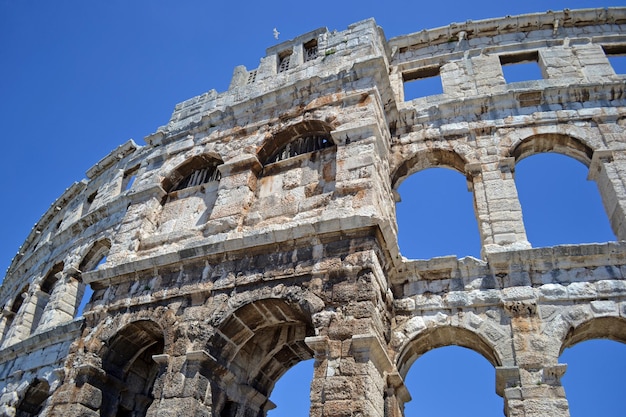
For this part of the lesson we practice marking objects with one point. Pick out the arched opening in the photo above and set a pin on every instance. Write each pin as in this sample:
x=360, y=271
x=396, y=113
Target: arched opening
x=130, y=369
x=95, y=257
x=43, y=297
x=291, y=394
x=559, y=204
x=191, y=194
x=436, y=216
x=298, y=175
x=458, y=355
x=452, y=381
x=34, y=399
x=594, y=353
x=11, y=313
x=196, y=171
x=258, y=344
x=304, y=137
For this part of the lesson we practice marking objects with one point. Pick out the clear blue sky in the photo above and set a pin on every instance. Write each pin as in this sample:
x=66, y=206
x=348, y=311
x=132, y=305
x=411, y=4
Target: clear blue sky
x=80, y=77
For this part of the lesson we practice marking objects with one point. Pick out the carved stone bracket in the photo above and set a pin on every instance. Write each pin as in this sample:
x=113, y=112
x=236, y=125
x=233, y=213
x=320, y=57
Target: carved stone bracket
x=368, y=347
x=507, y=377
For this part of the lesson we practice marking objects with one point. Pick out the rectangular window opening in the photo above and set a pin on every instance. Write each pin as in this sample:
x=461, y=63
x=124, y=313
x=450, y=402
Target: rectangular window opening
x=521, y=67
x=310, y=50
x=616, y=55
x=422, y=83
x=129, y=178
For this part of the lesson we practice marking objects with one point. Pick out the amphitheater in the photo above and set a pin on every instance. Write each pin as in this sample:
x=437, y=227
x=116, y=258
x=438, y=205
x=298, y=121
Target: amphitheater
x=257, y=229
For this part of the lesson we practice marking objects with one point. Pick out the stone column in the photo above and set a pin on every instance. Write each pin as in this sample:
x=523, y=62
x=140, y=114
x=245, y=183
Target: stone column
x=62, y=303
x=81, y=395
x=23, y=321
x=498, y=210
x=183, y=384
x=533, y=387
x=345, y=379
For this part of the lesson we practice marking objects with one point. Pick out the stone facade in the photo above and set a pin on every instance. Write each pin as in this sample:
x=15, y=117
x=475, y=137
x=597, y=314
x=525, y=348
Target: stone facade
x=257, y=229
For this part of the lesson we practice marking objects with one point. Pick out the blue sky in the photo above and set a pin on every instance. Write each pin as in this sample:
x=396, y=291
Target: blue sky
x=80, y=77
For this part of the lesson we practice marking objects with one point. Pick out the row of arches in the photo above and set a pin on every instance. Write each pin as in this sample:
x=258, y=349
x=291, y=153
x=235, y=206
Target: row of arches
x=57, y=298
x=192, y=185
x=262, y=342
x=559, y=206
x=550, y=180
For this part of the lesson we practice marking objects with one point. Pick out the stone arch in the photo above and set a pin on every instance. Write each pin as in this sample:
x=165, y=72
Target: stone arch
x=79, y=291
x=52, y=277
x=191, y=193
x=34, y=399
x=552, y=142
x=443, y=166
x=599, y=189
x=10, y=313
x=428, y=158
x=43, y=297
x=441, y=336
x=203, y=166
x=613, y=328
x=297, y=173
x=278, y=141
x=130, y=369
x=95, y=254
x=257, y=343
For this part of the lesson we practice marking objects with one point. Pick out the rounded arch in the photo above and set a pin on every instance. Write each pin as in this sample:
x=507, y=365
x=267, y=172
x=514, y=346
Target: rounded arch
x=34, y=399
x=424, y=159
x=274, y=143
x=127, y=361
x=95, y=254
x=195, y=170
x=613, y=328
x=442, y=336
x=51, y=278
x=562, y=143
x=265, y=338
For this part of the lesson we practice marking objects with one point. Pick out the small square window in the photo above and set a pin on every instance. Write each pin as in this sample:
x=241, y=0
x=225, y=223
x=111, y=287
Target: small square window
x=521, y=67
x=422, y=83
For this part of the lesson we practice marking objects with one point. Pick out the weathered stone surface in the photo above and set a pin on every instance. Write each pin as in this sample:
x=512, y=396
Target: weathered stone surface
x=260, y=231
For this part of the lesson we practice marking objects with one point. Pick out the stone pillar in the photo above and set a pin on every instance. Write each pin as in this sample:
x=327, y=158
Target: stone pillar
x=533, y=387
x=346, y=378
x=62, y=303
x=23, y=321
x=536, y=392
x=183, y=384
x=81, y=395
x=6, y=320
x=607, y=170
x=498, y=210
